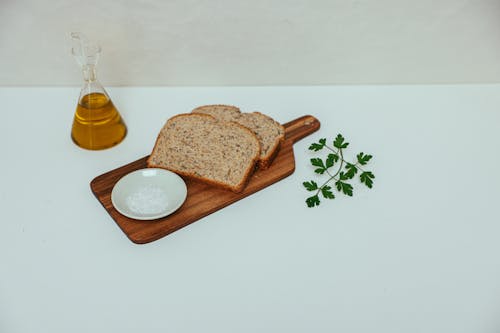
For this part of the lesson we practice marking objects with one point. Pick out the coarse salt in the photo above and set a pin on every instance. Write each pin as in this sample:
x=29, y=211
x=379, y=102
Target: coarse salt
x=148, y=200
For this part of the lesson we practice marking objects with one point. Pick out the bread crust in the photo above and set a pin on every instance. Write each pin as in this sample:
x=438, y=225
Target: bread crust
x=236, y=188
x=235, y=108
x=265, y=163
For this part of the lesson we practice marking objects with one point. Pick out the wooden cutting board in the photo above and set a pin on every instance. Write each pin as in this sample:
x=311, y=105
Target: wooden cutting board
x=202, y=199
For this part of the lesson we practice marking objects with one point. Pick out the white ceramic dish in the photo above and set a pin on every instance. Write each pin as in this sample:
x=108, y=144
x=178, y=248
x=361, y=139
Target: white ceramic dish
x=149, y=194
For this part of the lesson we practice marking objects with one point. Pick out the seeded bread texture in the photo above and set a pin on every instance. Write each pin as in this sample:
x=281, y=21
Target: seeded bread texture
x=200, y=147
x=269, y=132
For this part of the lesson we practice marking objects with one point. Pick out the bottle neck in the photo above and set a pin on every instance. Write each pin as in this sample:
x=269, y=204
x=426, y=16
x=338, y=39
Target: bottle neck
x=89, y=73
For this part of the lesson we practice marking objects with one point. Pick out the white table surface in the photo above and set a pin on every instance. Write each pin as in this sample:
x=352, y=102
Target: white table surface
x=417, y=253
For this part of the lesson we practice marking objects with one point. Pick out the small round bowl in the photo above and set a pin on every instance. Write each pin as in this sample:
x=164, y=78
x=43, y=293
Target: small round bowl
x=149, y=194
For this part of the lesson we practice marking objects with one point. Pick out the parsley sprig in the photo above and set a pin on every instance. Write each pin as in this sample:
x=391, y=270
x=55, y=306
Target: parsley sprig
x=345, y=171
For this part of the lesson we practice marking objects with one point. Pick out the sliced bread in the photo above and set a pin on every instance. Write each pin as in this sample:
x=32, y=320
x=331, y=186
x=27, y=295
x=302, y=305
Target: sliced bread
x=269, y=132
x=200, y=147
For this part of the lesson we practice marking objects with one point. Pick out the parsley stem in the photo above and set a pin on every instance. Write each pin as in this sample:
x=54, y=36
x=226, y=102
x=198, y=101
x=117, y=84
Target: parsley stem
x=322, y=185
x=335, y=151
x=329, y=174
x=357, y=165
x=336, y=173
x=341, y=163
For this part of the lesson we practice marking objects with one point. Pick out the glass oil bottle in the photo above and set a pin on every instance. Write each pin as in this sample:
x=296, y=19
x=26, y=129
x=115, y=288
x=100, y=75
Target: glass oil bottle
x=97, y=124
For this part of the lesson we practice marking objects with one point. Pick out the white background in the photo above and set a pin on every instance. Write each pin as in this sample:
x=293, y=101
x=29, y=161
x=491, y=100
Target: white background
x=418, y=253
x=257, y=42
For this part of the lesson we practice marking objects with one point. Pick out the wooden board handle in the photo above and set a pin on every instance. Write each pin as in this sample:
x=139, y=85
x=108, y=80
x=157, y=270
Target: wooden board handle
x=301, y=127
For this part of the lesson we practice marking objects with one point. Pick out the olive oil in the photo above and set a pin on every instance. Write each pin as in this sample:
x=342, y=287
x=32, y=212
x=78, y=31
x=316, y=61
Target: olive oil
x=97, y=123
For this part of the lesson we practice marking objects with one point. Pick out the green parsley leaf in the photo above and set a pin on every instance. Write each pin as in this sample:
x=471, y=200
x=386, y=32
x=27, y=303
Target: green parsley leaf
x=310, y=186
x=351, y=170
x=340, y=142
x=313, y=201
x=363, y=159
x=327, y=194
x=342, y=176
x=331, y=159
x=318, y=162
x=344, y=187
x=318, y=146
x=367, y=178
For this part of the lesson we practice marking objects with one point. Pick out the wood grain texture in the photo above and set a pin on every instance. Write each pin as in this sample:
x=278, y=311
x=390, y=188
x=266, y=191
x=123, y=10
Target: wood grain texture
x=202, y=199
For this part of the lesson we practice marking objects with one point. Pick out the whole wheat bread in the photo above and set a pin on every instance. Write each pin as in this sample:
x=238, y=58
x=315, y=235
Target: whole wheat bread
x=199, y=146
x=269, y=132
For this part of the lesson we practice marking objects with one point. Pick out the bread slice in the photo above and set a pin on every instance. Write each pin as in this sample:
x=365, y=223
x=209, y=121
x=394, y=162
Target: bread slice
x=269, y=132
x=220, y=111
x=198, y=146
